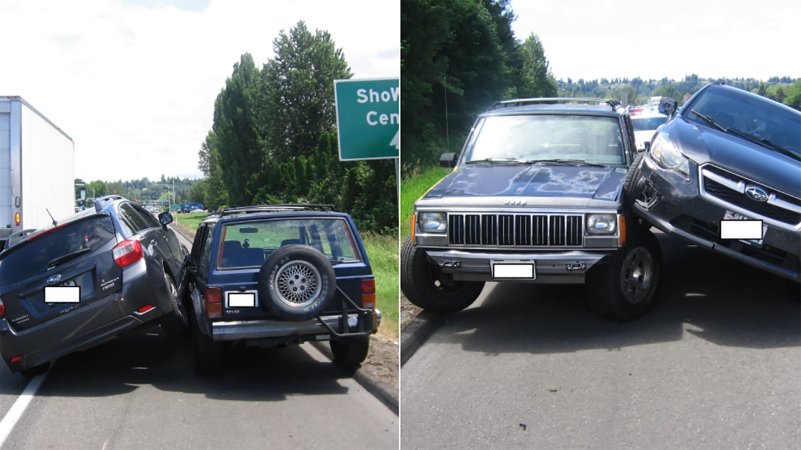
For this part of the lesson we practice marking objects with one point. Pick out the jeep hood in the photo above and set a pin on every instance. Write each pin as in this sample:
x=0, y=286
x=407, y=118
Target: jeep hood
x=761, y=164
x=531, y=182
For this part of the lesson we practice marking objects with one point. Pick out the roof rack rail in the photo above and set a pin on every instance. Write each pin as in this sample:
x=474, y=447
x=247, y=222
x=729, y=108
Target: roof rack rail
x=527, y=101
x=275, y=208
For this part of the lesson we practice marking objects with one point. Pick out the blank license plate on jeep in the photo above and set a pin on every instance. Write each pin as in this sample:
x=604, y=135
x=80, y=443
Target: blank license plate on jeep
x=513, y=270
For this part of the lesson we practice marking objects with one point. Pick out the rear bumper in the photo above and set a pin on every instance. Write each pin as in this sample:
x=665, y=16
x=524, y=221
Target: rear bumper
x=87, y=325
x=550, y=267
x=261, y=329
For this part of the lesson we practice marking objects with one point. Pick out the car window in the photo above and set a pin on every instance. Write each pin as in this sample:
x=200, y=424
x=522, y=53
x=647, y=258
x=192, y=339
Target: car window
x=248, y=244
x=205, y=252
x=647, y=123
x=131, y=220
x=749, y=115
x=37, y=253
x=148, y=218
x=531, y=137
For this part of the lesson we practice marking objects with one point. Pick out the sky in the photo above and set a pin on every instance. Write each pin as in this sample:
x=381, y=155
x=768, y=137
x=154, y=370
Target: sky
x=133, y=82
x=657, y=39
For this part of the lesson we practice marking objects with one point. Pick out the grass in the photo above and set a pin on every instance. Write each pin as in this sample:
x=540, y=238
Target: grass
x=412, y=188
x=382, y=249
x=190, y=221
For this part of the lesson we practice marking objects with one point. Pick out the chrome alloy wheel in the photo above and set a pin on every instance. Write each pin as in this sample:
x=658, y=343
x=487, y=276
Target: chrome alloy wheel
x=298, y=283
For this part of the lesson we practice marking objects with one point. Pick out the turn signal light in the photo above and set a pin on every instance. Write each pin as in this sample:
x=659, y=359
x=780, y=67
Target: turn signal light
x=368, y=293
x=17, y=219
x=414, y=218
x=213, y=299
x=622, y=230
x=127, y=253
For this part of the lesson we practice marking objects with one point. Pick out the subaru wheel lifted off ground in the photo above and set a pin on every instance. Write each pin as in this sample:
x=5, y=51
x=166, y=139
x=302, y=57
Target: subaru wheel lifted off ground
x=536, y=196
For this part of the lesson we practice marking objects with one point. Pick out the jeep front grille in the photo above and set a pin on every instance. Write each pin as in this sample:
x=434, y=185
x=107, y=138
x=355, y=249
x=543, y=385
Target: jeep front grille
x=730, y=188
x=527, y=230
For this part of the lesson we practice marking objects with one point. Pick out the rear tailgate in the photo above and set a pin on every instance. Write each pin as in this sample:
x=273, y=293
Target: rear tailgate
x=59, y=271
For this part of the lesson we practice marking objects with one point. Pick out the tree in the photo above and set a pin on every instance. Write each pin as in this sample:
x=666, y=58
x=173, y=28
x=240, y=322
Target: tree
x=534, y=78
x=297, y=91
x=239, y=144
x=793, y=97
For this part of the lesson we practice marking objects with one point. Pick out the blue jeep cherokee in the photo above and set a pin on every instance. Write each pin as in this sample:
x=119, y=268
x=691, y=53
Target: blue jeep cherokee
x=279, y=274
x=536, y=196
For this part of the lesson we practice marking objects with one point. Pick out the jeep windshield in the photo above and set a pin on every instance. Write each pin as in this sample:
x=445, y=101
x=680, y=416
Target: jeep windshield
x=249, y=243
x=532, y=138
x=749, y=117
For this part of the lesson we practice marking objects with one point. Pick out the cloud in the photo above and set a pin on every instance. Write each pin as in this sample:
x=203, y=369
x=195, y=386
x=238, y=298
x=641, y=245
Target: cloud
x=134, y=82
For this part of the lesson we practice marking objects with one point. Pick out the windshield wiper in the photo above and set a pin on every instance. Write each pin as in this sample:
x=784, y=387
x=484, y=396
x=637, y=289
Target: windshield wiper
x=64, y=258
x=710, y=121
x=766, y=143
x=571, y=162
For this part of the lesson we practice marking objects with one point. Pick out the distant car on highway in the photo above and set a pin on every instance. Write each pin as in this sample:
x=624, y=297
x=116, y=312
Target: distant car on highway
x=645, y=121
x=86, y=279
x=279, y=274
x=727, y=155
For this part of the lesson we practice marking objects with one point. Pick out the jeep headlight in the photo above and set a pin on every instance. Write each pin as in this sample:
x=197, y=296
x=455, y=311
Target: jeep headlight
x=601, y=223
x=665, y=153
x=432, y=222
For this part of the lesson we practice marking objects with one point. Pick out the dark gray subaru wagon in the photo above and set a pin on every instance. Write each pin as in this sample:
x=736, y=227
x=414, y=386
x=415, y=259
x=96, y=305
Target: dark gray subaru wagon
x=86, y=279
x=728, y=156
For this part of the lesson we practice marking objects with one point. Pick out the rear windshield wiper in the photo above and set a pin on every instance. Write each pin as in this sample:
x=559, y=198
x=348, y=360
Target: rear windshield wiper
x=69, y=256
x=571, y=162
x=710, y=121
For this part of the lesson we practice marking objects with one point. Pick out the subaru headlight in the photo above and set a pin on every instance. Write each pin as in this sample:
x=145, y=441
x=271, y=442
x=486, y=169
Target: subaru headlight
x=665, y=153
x=601, y=223
x=432, y=222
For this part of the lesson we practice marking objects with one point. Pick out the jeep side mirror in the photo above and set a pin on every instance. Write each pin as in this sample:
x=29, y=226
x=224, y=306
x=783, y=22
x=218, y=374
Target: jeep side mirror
x=165, y=218
x=668, y=106
x=447, y=160
x=647, y=146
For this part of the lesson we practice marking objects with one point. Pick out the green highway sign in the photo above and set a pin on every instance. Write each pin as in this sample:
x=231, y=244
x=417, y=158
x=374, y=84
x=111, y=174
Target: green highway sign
x=368, y=118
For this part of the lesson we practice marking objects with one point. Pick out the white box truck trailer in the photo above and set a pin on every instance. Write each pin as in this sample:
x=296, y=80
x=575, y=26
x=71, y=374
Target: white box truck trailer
x=37, y=165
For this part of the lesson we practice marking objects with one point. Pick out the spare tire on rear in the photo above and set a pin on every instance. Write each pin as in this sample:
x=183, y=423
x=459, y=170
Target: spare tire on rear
x=298, y=281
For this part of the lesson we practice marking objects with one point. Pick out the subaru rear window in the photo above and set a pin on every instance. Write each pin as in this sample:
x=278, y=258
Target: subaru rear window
x=54, y=247
x=249, y=244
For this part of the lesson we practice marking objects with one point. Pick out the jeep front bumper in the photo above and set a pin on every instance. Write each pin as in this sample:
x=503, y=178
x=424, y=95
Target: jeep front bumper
x=563, y=267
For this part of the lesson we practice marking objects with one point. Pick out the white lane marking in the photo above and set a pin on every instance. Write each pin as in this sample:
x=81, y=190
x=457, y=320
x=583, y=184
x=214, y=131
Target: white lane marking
x=15, y=413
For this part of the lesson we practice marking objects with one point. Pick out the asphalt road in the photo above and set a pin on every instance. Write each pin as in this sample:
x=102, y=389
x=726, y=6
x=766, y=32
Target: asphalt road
x=715, y=364
x=140, y=391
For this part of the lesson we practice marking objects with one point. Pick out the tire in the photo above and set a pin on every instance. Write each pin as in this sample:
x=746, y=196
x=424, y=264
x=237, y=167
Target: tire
x=175, y=322
x=427, y=287
x=624, y=288
x=299, y=282
x=35, y=370
x=208, y=354
x=636, y=224
x=350, y=352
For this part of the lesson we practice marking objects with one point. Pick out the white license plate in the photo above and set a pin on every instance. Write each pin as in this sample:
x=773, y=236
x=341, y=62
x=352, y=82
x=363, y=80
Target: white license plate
x=62, y=294
x=513, y=271
x=736, y=226
x=247, y=299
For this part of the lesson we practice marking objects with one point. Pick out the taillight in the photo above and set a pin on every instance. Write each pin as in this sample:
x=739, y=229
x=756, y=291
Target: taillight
x=213, y=299
x=127, y=253
x=2, y=310
x=368, y=293
x=15, y=359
